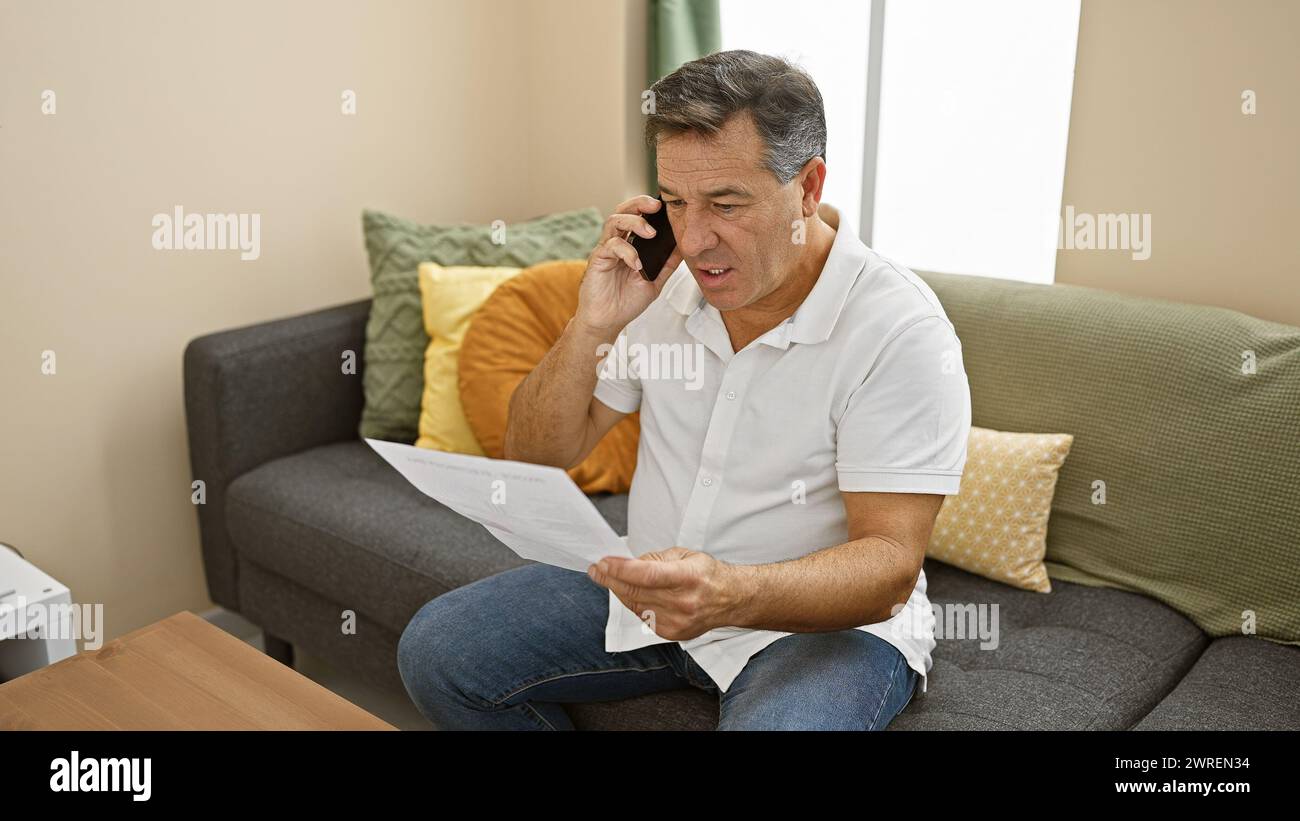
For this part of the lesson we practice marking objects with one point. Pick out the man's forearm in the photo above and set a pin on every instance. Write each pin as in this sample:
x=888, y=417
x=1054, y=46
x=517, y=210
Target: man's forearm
x=548, y=416
x=841, y=587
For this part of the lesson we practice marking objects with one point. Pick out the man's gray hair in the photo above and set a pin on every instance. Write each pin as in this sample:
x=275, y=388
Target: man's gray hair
x=783, y=100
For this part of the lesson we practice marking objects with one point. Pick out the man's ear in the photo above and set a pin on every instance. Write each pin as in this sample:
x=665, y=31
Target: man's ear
x=811, y=179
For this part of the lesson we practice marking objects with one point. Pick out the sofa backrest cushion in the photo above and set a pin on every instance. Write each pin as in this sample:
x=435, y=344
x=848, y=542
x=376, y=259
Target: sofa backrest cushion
x=1186, y=424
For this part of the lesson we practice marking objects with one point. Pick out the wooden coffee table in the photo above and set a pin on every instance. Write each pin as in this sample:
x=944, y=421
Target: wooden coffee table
x=178, y=674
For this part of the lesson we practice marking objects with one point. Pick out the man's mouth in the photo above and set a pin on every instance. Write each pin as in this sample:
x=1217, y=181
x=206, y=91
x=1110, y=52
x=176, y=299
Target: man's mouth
x=714, y=276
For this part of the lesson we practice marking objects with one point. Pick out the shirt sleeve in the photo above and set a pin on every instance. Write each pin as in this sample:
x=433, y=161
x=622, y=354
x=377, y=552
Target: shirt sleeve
x=617, y=385
x=905, y=427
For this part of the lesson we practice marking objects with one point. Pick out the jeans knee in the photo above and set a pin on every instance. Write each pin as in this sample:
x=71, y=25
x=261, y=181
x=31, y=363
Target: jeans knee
x=425, y=651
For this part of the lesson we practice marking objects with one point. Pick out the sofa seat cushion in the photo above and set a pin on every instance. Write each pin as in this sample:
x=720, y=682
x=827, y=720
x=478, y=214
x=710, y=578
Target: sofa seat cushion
x=1239, y=683
x=1077, y=658
x=686, y=708
x=338, y=520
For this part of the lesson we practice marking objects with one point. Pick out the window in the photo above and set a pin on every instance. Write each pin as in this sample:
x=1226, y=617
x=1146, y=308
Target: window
x=963, y=146
x=828, y=39
x=974, y=116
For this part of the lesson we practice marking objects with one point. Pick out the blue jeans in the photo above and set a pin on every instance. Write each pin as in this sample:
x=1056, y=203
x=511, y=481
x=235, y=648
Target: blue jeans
x=506, y=652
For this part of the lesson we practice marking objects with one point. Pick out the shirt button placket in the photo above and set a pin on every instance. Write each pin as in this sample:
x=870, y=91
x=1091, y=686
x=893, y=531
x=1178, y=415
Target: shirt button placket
x=722, y=422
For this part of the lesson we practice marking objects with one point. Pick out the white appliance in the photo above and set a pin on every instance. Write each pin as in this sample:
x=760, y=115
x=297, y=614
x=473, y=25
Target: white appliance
x=36, y=622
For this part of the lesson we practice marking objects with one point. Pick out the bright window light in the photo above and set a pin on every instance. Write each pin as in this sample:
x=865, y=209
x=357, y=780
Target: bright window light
x=828, y=39
x=974, y=117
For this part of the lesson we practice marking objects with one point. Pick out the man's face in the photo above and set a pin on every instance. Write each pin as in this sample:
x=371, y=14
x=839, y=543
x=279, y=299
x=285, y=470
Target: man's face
x=728, y=211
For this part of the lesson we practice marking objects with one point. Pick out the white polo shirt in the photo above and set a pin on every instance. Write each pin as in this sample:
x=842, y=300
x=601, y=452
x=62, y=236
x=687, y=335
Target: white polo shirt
x=743, y=455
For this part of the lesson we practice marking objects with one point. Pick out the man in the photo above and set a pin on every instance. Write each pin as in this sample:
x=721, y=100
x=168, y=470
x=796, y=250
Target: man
x=784, y=494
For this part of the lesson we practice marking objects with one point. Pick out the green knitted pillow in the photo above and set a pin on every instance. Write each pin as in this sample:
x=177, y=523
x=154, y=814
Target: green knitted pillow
x=393, y=375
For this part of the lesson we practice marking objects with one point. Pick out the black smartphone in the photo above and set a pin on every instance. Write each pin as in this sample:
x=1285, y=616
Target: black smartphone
x=655, y=251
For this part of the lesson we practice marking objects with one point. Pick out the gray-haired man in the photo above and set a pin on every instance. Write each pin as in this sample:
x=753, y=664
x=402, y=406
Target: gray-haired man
x=783, y=497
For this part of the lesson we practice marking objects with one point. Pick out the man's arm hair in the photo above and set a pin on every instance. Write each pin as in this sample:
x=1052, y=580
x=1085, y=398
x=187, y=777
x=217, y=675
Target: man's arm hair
x=862, y=581
x=554, y=418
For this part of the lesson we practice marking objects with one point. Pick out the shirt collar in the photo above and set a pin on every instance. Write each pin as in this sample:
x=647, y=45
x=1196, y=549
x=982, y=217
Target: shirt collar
x=684, y=294
x=815, y=318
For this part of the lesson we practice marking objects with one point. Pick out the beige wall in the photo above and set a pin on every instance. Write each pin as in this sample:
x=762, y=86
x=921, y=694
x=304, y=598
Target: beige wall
x=586, y=70
x=475, y=111
x=465, y=111
x=1156, y=127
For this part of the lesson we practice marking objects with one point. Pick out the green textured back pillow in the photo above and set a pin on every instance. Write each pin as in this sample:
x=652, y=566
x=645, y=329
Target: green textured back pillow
x=395, y=339
x=1186, y=418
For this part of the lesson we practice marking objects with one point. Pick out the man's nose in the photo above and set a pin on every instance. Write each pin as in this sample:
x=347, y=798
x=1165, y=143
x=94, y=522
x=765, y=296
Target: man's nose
x=695, y=234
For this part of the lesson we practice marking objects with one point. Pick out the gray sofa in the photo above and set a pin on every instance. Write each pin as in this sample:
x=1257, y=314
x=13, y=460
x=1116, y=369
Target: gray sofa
x=303, y=521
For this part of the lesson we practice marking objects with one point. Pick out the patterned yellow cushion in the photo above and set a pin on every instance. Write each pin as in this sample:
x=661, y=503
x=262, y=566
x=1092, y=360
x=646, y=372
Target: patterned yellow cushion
x=996, y=526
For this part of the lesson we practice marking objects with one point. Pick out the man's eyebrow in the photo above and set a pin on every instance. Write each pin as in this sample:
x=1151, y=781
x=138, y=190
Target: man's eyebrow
x=724, y=191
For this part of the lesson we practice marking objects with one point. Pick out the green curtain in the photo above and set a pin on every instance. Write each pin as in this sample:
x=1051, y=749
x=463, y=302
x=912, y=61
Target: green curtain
x=679, y=31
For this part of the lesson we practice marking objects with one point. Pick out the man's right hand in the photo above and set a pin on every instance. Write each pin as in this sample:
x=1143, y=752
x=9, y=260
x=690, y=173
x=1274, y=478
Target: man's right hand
x=613, y=292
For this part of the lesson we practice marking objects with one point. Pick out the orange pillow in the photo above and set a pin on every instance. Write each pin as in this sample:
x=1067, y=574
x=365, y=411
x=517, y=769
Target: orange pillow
x=508, y=336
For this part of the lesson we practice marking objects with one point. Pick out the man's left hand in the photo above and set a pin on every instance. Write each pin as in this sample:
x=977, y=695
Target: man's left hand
x=680, y=594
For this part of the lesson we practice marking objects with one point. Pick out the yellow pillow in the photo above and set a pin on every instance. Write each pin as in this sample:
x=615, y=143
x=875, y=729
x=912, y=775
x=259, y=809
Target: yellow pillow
x=996, y=526
x=449, y=296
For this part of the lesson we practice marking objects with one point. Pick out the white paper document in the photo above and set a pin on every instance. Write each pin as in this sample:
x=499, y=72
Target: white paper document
x=535, y=510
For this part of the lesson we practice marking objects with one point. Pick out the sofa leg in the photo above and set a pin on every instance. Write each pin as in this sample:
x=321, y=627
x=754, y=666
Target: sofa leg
x=278, y=649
